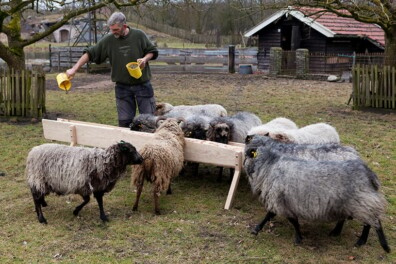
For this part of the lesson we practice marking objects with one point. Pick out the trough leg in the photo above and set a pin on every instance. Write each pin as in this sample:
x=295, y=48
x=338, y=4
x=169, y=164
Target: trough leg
x=260, y=226
x=86, y=199
x=382, y=238
x=99, y=199
x=37, y=204
x=298, y=237
x=337, y=229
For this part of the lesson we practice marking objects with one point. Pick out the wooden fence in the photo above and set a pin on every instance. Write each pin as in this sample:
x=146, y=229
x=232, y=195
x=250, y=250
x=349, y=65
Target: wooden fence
x=22, y=93
x=169, y=60
x=374, y=86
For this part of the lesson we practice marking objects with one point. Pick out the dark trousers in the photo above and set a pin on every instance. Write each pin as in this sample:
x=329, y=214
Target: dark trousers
x=130, y=96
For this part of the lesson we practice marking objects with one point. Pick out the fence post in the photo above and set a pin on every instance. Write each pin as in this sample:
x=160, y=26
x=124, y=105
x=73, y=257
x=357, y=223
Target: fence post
x=275, y=61
x=231, y=59
x=302, y=63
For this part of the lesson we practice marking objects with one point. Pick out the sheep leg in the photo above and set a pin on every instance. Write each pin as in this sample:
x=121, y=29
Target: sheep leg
x=382, y=238
x=78, y=208
x=363, y=237
x=138, y=193
x=298, y=237
x=169, y=191
x=43, y=202
x=260, y=226
x=337, y=229
x=37, y=204
x=99, y=199
x=220, y=174
x=156, y=202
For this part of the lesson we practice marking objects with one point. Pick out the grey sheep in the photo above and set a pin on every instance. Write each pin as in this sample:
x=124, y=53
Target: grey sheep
x=144, y=123
x=163, y=160
x=61, y=169
x=184, y=111
x=315, y=191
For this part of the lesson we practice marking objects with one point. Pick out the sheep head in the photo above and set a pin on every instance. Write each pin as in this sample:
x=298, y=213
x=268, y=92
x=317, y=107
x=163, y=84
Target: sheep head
x=220, y=131
x=162, y=108
x=125, y=153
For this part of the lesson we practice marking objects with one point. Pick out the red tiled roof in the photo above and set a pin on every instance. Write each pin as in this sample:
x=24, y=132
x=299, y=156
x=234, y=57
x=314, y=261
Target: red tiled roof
x=346, y=26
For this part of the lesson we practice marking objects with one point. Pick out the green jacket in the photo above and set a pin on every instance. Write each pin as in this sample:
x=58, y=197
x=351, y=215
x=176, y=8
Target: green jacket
x=120, y=52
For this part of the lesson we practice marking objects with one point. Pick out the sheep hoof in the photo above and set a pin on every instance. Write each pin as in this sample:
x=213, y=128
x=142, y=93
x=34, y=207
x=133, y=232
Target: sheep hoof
x=157, y=212
x=254, y=232
x=75, y=212
x=104, y=218
x=135, y=208
x=42, y=220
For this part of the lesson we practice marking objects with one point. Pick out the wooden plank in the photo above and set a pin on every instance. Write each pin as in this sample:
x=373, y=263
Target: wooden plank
x=98, y=135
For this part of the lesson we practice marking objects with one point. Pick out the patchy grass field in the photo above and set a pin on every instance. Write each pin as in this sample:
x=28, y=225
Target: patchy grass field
x=193, y=228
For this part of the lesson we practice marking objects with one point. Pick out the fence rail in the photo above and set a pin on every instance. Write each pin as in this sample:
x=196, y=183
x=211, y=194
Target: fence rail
x=374, y=86
x=22, y=93
x=169, y=60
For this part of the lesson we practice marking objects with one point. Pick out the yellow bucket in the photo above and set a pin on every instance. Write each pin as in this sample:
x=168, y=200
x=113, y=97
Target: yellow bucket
x=134, y=70
x=63, y=82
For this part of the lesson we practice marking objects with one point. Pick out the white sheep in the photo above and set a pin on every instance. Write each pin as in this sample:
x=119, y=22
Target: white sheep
x=279, y=123
x=311, y=134
x=61, y=169
x=184, y=111
x=163, y=160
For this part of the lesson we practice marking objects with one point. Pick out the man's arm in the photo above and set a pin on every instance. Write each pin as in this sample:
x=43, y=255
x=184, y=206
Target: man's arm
x=71, y=72
x=143, y=61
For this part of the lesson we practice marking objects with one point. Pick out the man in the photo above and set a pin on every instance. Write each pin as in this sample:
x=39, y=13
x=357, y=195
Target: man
x=122, y=46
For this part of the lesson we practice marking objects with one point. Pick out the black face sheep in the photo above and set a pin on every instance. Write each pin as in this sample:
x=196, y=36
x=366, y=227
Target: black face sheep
x=163, y=160
x=184, y=111
x=144, y=123
x=315, y=191
x=196, y=126
x=61, y=169
x=311, y=134
x=233, y=128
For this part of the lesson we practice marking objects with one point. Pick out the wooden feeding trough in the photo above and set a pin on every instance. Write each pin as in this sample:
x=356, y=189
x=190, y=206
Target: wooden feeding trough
x=99, y=135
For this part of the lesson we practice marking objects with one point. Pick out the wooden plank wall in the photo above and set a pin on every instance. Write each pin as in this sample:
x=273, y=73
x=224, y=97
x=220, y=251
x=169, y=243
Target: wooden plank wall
x=22, y=93
x=169, y=60
x=374, y=86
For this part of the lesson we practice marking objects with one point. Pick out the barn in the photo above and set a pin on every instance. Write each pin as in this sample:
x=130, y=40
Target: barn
x=315, y=30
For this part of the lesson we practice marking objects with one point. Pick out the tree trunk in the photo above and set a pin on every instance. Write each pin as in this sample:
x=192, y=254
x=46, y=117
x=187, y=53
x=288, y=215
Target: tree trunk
x=390, y=46
x=15, y=60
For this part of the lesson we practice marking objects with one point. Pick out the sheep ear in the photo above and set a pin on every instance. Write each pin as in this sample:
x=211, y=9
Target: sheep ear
x=280, y=137
x=123, y=146
x=251, y=153
x=248, y=139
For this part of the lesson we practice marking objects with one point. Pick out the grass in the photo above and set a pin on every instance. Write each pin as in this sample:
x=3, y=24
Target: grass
x=193, y=227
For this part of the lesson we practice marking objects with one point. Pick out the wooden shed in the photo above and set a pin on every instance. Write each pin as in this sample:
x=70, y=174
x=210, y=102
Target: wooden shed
x=315, y=30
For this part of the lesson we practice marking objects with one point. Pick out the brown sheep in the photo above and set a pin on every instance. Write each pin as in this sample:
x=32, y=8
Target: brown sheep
x=163, y=160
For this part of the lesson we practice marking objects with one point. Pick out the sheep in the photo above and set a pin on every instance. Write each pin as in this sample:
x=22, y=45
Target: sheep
x=330, y=151
x=61, y=169
x=233, y=128
x=144, y=123
x=275, y=124
x=212, y=110
x=311, y=134
x=196, y=126
x=163, y=160
x=315, y=191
